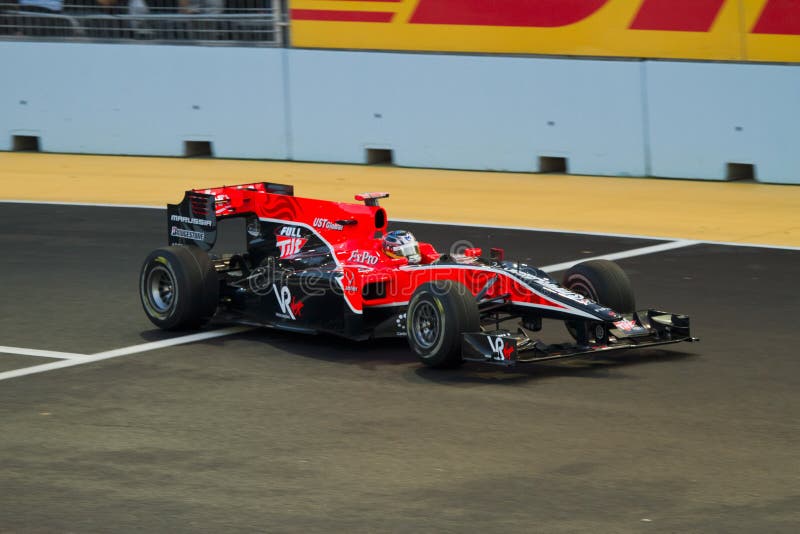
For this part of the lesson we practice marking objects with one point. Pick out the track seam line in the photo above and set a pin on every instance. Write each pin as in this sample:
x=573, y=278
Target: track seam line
x=422, y=221
x=82, y=204
x=598, y=234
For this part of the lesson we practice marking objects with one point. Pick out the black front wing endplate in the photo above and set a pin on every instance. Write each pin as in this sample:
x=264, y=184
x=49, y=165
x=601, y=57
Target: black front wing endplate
x=648, y=328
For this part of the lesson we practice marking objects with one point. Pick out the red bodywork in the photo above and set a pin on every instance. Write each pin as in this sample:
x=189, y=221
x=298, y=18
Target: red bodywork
x=353, y=232
x=318, y=266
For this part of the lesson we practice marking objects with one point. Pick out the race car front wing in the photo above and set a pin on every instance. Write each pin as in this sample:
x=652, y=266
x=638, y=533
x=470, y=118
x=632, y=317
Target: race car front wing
x=646, y=328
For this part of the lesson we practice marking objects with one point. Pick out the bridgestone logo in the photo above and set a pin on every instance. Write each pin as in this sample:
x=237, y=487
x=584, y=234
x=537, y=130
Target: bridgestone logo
x=190, y=220
x=187, y=234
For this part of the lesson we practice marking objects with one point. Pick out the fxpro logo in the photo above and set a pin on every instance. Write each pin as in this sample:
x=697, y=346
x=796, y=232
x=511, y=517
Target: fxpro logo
x=363, y=256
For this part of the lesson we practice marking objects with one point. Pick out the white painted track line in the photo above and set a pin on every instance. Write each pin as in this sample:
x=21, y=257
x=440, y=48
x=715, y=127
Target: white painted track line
x=622, y=255
x=598, y=234
x=182, y=340
x=82, y=359
x=71, y=360
x=42, y=353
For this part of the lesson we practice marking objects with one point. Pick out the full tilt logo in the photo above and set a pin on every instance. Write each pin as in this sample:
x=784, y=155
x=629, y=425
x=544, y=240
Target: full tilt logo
x=777, y=16
x=290, y=240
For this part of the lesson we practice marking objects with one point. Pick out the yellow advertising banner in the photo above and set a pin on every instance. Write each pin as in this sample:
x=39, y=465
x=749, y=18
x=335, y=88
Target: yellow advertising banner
x=734, y=30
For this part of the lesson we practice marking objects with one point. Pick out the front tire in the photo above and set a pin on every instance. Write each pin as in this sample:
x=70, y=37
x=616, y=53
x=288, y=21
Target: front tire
x=178, y=287
x=604, y=282
x=438, y=313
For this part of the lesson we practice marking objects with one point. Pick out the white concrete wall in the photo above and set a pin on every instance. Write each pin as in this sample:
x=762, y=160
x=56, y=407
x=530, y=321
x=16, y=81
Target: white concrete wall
x=139, y=99
x=703, y=116
x=671, y=119
x=467, y=112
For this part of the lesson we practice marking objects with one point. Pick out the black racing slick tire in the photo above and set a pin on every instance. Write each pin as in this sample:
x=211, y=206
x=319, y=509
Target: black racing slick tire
x=604, y=282
x=438, y=313
x=178, y=287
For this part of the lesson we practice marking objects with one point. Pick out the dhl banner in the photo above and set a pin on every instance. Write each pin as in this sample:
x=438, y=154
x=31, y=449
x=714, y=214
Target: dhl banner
x=736, y=30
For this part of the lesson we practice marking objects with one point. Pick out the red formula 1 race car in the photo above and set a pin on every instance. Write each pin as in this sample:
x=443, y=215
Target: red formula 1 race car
x=322, y=266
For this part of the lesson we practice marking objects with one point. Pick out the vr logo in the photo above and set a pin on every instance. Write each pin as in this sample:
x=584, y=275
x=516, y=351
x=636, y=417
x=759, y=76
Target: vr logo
x=284, y=297
x=500, y=351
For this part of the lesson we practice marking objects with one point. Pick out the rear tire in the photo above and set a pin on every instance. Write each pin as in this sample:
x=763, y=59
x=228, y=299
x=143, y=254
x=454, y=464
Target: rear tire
x=178, y=287
x=438, y=313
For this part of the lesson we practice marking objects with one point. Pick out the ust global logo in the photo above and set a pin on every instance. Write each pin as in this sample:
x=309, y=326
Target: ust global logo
x=321, y=222
x=290, y=241
x=776, y=17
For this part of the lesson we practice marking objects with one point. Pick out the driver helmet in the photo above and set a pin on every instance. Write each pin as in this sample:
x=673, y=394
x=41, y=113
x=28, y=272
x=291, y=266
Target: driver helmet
x=402, y=244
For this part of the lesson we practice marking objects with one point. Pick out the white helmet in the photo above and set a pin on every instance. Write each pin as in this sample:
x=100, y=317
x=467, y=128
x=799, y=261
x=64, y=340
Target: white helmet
x=402, y=244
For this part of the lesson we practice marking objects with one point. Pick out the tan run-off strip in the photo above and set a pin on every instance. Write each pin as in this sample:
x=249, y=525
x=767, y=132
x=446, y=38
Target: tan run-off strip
x=708, y=211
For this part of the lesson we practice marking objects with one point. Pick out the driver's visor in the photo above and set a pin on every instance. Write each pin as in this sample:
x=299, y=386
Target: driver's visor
x=407, y=250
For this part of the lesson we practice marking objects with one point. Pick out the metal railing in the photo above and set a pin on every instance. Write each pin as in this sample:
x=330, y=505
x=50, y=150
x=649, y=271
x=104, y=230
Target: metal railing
x=206, y=22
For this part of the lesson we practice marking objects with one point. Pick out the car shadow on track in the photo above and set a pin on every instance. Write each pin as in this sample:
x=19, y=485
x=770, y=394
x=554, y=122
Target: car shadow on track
x=586, y=367
x=379, y=353
x=330, y=348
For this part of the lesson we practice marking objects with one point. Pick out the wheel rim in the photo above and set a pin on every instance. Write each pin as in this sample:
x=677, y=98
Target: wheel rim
x=426, y=325
x=583, y=290
x=160, y=289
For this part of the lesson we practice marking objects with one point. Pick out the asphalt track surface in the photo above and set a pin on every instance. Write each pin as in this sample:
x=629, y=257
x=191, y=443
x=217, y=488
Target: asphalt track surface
x=274, y=432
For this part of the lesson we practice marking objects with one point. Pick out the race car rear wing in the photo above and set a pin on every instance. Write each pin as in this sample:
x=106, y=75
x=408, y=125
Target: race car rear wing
x=193, y=221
